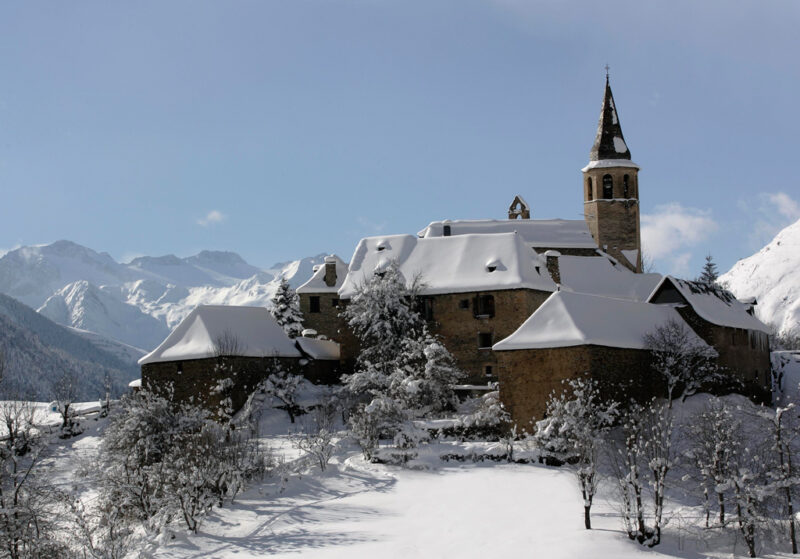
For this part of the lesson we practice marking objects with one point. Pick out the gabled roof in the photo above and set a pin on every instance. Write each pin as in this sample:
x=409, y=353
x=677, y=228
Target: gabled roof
x=543, y=233
x=713, y=304
x=253, y=328
x=455, y=264
x=599, y=276
x=609, y=142
x=568, y=319
x=316, y=284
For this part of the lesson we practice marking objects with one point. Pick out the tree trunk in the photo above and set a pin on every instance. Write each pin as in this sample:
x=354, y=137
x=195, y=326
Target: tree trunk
x=587, y=519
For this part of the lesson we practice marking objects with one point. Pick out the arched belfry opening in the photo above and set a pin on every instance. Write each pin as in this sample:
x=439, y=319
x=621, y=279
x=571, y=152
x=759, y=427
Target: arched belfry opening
x=519, y=209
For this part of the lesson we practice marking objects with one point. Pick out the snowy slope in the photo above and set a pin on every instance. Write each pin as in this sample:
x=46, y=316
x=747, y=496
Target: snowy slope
x=137, y=303
x=38, y=351
x=772, y=276
x=83, y=305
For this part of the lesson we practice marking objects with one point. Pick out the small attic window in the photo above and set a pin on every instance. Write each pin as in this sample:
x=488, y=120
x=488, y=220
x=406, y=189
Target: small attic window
x=382, y=245
x=380, y=248
x=492, y=265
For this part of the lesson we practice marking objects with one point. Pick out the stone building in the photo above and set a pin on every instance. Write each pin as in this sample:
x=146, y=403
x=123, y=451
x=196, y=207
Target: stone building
x=491, y=286
x=218, y=354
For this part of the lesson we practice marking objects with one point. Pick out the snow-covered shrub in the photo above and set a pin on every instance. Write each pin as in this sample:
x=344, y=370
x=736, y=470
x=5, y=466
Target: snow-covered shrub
x=575, y=426
x=160, y=460
x=369, y=422
x=28, y=511
x=286, y=309
x=489, y=420
x=316, y=438
x=282, y=386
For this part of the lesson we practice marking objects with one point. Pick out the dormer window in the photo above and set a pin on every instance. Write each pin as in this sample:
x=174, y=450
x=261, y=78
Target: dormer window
x=446, y=231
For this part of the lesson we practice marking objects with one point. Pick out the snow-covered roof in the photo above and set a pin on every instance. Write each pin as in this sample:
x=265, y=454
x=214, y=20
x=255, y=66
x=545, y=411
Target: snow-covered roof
x=712, y=304
x=455, y=264
x=545, y=233
x=316, y=284
x=253, y=328
x=597, y=275
x=568, y=319
x=319, y=349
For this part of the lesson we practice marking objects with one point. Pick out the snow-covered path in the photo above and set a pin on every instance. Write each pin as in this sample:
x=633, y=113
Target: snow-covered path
x=372, y=511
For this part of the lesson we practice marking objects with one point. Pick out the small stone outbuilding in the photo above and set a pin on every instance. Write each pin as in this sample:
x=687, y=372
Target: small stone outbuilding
x=218, y=354
x=577, y=334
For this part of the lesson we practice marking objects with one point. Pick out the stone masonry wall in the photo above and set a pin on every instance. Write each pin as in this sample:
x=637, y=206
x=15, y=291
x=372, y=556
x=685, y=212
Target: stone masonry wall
x=453, y=320
x=528, y=377
x=459, y=328
x=198, y=380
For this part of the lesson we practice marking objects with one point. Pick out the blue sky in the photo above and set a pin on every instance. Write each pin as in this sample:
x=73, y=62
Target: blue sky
x=286, y=129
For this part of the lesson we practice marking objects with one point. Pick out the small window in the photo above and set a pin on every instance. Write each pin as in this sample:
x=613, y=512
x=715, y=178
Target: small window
x=180, y=368
x=446, y=231
x=485, y=340
x=608, y=187
x=625, y=188
x=589, y=193
x=313, y=302
x=488, y=371
x=334, y=303
x=484, y=306
x=463, y=304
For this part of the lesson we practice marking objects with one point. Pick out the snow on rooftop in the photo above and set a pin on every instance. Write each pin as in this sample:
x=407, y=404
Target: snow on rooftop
x=319, y=349
x=254, y=329
x=316, y=283
x=598, y=276
x=568, y=319
x=605, y=163
x=455, y=264
x=714, y=304
x=551, y=233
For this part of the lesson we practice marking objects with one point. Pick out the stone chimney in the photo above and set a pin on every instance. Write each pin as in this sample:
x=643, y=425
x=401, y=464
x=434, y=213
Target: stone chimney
x=552, y=265
x=330, y=271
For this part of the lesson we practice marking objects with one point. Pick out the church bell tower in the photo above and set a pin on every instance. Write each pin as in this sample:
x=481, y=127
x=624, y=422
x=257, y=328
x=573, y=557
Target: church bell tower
x=611, y=190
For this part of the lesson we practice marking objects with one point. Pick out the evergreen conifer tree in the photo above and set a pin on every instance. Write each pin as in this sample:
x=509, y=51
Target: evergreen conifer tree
x=286, y=309
x=709, y=274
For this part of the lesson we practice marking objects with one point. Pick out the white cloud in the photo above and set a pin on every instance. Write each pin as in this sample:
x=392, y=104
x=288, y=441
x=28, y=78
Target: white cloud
x=671, y=231
x=771, y=212
x=214, y=216
x=370, y=225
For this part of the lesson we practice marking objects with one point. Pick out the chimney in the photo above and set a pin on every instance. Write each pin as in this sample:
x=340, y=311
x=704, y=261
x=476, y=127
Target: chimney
x=330, y=271
x=552, y=265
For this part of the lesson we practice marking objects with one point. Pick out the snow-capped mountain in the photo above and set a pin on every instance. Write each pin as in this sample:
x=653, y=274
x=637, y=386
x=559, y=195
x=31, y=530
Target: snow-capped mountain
x=772, y=276
x=85, y=306
x=139, y=302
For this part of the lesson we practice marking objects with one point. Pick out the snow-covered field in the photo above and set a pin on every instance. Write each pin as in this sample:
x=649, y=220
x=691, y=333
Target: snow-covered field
x=366, y=510
x=431, y=509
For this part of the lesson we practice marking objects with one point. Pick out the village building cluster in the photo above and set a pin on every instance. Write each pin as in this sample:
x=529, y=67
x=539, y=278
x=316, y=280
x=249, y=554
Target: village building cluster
x=522, y=302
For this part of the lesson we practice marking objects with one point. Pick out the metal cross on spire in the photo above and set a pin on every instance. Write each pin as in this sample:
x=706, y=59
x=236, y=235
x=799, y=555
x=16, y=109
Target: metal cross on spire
x=607, y=69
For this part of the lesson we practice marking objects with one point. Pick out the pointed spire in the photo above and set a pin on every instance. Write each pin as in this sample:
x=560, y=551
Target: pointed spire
x=609, y=143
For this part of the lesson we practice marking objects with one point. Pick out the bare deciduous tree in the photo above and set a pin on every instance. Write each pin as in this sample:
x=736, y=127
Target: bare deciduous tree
x=683, y=361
